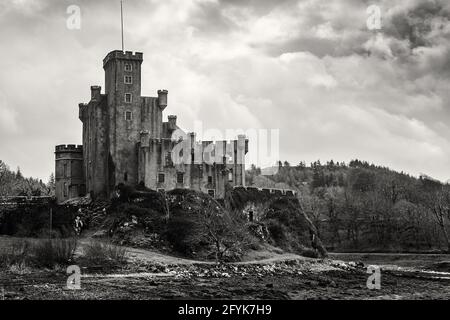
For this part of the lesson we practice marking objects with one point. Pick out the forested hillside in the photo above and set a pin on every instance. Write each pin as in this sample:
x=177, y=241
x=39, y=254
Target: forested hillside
x=13, y=183
x=360, y=206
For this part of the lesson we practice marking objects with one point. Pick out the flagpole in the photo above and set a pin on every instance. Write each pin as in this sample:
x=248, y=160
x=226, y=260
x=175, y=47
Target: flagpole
x=121, y=20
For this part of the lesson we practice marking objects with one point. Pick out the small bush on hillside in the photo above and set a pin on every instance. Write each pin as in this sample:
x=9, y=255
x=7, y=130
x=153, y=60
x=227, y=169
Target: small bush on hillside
x=277, y=232
x=101, y=254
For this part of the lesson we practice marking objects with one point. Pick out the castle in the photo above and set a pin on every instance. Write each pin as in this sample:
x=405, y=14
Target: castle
x=126, y=141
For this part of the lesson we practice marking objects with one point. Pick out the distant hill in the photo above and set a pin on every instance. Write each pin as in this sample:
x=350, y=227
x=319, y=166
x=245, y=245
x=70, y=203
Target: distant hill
x=361, y=206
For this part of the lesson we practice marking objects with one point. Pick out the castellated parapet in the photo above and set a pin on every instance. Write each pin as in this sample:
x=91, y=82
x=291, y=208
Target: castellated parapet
x=120, y=55
x=69, y=148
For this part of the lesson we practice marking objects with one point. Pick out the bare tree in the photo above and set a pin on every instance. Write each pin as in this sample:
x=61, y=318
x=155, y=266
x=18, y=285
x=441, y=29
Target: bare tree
x=439, y=204
x=222, y=230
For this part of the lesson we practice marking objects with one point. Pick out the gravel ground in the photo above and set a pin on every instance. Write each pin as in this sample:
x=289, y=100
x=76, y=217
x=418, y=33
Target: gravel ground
x=283, y=280
x=153, y=275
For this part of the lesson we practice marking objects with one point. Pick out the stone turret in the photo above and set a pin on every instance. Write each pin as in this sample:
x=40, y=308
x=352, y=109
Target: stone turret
x=69, y=173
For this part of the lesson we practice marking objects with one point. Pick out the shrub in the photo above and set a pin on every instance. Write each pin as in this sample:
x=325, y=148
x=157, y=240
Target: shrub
x=310, y=253
x=277, y=232
x=51, y=252
x=98, y=253
x=17, y=254
x=182, y=234
x=40, y=253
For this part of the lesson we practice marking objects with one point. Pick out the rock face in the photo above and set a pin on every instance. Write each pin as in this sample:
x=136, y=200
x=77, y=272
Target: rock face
x=286, y=223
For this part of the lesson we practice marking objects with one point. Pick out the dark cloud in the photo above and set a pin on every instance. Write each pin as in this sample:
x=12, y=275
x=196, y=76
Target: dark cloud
x=417, y=23
x=309, y=67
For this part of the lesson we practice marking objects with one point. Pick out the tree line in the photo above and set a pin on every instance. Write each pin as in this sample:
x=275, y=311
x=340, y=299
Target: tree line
x=362, y=206
x=13, y=183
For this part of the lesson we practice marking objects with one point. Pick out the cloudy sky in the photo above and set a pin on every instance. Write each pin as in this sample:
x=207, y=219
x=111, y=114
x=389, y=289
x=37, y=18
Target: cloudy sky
x=310, y=68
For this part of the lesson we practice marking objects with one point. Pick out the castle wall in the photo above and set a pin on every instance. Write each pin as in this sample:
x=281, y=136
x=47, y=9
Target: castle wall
x=69, y=172
x=151, y=115
x=155, y=158
x=95, y=143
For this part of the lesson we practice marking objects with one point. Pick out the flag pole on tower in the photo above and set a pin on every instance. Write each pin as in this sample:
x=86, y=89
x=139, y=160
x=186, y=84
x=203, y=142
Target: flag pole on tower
x=121, y=20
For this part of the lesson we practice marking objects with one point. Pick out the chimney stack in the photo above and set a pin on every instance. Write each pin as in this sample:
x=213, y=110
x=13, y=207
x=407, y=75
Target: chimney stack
x=172, y=122
x=162, y=98
x=95, y=93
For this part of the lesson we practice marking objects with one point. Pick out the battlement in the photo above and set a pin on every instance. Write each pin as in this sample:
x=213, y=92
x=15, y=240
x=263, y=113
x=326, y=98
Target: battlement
x=69, y=148
x=240, y=143
x=193, y=136
x=269, y=191
x=127, y=55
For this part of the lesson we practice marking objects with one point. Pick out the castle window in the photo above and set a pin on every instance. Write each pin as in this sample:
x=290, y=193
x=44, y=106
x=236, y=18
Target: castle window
x=161, y=178
x=128, y=98
x=159, y=154
x=180, y=177
x=128, y=115
x=210, y=180
x=230, y=176
x=128, y=67
x=125, y=176
x=212, y=193
x=65, y=175
x=128, y=80
x=65, y=190
x=169, y=158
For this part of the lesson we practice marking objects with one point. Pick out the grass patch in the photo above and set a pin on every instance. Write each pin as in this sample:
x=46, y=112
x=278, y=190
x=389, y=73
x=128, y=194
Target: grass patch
x=37, y=253
x=51, y=252
x=103, y=254
x=18, y=254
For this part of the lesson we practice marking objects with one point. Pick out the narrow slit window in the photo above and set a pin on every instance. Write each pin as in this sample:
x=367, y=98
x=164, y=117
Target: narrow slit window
x=65, y=189
x=180, y=177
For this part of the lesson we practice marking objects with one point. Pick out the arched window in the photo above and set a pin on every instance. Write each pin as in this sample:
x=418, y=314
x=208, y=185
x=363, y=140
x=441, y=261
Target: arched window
x=230, y=176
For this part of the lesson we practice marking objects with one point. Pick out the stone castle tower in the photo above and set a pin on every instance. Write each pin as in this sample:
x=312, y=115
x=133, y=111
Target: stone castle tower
x=126, y=141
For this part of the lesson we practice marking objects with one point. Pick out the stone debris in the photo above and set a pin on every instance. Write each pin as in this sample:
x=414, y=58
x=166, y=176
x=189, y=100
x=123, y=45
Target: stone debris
x=288, y=267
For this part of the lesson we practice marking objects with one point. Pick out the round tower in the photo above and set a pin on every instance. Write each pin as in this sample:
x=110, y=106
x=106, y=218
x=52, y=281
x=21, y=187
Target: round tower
x=69, y=174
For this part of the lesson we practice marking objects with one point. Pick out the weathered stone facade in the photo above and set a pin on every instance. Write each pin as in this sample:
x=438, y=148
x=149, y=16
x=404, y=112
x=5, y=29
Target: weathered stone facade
x=69, y=173
x=125, y=140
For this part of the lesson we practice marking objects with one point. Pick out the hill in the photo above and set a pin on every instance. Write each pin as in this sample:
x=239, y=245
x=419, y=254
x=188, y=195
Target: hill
x=364, y=207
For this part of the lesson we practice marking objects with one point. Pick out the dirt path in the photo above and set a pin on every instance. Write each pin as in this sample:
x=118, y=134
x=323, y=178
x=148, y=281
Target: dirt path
x=265, y=256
